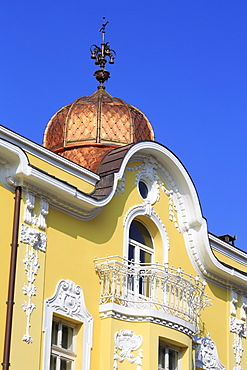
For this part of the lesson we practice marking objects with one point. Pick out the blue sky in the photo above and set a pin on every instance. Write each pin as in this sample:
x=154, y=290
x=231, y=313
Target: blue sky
x=183, y=62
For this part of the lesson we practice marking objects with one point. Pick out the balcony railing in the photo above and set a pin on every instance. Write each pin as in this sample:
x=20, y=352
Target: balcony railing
x=152, y=286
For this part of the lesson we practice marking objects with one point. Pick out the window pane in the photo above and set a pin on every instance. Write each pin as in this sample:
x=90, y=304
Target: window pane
x=67, y=337
x=145, y=257
x=173, y=360
x=143, y=189
x=65, y=364
x=131, y=255
x=53, y=362
x=139, y=233
x=54, y=332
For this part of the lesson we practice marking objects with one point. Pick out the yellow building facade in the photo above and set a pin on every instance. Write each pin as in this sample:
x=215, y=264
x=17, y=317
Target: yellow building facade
x=106, y=259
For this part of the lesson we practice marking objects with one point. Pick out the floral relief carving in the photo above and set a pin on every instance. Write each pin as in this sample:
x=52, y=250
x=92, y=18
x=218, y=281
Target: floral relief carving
x=35, y=241
x=238, y=327
x=127, y=342
x=31, y=269
x=207, y=355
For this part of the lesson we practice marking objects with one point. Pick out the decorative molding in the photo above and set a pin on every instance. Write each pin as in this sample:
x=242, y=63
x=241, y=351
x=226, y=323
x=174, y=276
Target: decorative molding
x=121, y=185
x=29, y=207
x=30, y=216
x=126, y=342
x=35, y=241
x=152, y=316
x=61, y=205
x=234, y=301
x=68, y=301
x=207, y=355
x=149, y=176
x=238, y=327
x=43, y=212
x=33, y=237
x=243, y=307
x=148, y=172
x=31, y=269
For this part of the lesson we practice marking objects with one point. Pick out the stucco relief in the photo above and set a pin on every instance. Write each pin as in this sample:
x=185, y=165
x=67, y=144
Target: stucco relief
x=238, y=327
x=126, y=342
x=148, y=172
x=35, y=240
x=234, y=301
x=243, y=307
x=33, y=237
x=207, y=355
x=68, y=301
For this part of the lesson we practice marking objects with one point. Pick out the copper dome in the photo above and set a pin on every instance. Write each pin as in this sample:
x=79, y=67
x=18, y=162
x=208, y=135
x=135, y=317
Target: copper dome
x=87, y=129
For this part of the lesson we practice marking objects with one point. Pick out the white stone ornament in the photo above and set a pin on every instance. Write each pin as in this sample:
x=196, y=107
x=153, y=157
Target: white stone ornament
x=234, y=301
x=43, y=212
x=243, y=307
x=29, y=206
x=127, y=342
x=207, y=355
x=68, y=301
x=33, y=237
x=31, y=269
x=35, y=240
x=238, y=327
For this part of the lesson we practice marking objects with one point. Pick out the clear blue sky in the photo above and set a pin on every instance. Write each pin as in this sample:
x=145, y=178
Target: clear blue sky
x=183, y=62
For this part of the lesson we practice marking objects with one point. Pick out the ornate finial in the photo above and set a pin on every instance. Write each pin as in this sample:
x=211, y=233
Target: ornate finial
x=100, y=54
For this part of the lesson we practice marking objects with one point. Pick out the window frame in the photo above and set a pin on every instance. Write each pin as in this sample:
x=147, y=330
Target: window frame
x=56, y=306
x=57, y=349
x=168, y=346
x=135, y=213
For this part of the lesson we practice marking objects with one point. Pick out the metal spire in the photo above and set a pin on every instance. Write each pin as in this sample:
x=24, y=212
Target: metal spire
x=100, y=54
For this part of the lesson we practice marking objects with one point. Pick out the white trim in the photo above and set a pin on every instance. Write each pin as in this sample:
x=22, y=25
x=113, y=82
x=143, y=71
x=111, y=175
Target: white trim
x=146, y=315
x=68, y=301
x=48, y=156
x=228, y=250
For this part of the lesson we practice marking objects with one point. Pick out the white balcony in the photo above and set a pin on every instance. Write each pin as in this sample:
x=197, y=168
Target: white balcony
x=151, y=286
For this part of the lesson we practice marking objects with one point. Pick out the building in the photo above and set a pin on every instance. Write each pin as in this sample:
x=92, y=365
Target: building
x=106, y=259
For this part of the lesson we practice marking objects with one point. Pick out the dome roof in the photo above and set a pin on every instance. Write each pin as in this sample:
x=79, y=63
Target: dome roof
x=87, y=129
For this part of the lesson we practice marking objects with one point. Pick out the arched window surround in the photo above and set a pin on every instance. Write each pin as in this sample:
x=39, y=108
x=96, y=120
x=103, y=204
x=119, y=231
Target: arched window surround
x=135, y=213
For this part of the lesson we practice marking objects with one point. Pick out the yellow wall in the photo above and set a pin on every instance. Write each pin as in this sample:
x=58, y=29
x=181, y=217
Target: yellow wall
x=72, y=245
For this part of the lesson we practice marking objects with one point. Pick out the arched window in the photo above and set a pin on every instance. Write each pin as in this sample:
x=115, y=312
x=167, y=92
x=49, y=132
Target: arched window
x=140, y=243
x=140, y=256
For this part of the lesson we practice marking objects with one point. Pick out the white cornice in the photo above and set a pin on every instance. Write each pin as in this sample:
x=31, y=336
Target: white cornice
x=228, y=250
x=146, y=315
x=48, y=156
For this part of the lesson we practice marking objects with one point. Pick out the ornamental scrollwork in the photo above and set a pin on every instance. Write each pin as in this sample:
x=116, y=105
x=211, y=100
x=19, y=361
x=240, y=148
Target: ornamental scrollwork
x=31, y=269
x=35, y=241
x=126, y=342
x=68, y=300
x=207, y=355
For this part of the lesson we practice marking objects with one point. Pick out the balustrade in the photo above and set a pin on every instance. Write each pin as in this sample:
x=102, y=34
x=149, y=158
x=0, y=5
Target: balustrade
x=152, y=286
